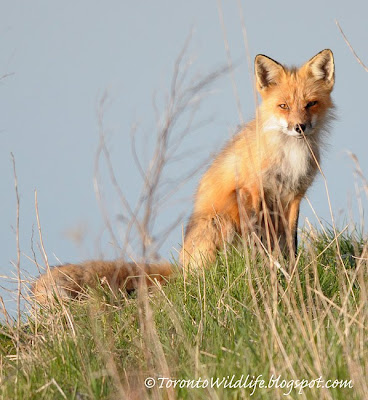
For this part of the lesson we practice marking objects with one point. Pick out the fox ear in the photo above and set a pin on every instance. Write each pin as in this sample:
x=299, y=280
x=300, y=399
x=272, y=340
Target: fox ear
x=322, y=66
x=267, y=71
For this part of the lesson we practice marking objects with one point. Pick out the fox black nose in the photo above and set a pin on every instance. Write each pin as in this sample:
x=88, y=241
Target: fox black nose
x=300, y=128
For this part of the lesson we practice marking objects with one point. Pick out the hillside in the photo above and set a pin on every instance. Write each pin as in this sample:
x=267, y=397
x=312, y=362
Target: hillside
x=245, y=319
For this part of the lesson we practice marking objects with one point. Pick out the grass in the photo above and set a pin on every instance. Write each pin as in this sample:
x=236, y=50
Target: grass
x=242, y=316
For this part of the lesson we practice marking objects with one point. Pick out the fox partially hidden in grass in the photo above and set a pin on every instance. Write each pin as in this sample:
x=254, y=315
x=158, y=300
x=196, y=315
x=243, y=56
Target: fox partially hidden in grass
x=255, y=185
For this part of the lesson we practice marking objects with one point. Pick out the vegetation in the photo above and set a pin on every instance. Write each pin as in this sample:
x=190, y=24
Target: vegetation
x=248, y=314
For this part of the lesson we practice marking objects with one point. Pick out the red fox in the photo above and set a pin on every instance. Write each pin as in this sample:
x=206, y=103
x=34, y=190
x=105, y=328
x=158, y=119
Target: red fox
x=255, y=185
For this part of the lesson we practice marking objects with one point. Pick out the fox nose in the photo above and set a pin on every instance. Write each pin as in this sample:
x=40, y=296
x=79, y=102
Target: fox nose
x=300, y=128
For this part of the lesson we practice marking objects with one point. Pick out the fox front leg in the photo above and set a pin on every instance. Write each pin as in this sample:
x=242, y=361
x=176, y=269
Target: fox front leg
x=293, y=217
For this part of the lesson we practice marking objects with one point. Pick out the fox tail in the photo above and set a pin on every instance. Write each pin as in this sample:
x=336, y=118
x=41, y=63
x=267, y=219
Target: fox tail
x=70, y=280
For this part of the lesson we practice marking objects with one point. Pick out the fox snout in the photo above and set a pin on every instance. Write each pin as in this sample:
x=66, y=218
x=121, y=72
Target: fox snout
x=288, y=127
x=303, y=128
x=300, y=128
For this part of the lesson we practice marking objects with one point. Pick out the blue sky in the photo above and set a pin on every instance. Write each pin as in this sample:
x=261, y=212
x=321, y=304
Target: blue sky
x=62, y=57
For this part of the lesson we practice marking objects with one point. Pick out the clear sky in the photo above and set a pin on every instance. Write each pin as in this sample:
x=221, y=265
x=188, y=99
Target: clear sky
x=62, y=56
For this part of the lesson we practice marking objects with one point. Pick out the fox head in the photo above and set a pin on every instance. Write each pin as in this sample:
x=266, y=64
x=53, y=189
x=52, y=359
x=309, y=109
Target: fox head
x=295, y=101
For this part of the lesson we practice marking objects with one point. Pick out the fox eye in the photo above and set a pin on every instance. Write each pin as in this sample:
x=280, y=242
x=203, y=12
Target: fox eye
x=311, y=104
x=284, y=106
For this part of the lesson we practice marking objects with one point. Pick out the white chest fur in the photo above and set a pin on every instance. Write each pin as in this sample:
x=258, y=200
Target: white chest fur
x=293, y=167
x=295, y=164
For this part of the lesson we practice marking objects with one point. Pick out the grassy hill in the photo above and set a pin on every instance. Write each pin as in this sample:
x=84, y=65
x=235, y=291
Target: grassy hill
x=215, y=335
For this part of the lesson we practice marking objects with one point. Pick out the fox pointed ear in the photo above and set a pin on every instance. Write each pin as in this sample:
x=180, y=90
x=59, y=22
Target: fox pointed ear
x=322, y=66
x=267, y=71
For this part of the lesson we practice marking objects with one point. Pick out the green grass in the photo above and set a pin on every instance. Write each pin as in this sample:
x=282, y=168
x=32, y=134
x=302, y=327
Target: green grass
x=242, y=316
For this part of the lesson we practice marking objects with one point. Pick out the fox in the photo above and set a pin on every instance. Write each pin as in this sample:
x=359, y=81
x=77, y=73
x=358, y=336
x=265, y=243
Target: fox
x=254, y=186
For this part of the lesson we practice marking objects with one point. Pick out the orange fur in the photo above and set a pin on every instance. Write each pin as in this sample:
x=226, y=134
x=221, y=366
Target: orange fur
x=70, y=280
x=255, y=184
